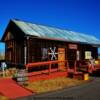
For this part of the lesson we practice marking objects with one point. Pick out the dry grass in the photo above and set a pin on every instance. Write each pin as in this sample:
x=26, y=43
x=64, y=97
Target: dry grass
x=3, y=97
x=9, y=73
x=53, y=84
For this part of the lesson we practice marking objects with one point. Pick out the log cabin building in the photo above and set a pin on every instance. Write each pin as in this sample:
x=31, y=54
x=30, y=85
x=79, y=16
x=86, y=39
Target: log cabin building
x=28, y=43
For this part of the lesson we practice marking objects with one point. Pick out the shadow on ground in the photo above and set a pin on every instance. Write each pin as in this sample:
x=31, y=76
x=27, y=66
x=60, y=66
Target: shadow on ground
x=95, y=74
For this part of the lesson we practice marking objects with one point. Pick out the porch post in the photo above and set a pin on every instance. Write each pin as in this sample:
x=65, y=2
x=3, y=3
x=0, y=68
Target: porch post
x=25, y=50
x=25, y=54
x=49, y=68
x=75, y=69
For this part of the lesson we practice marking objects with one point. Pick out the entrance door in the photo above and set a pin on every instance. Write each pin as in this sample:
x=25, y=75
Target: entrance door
x=61, y=57
x=71, y=57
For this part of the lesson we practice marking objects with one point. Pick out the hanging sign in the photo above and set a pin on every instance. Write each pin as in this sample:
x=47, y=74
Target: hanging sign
x=72, y=46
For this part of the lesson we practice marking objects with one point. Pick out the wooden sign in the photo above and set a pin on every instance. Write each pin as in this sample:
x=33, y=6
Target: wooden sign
x=72, y=46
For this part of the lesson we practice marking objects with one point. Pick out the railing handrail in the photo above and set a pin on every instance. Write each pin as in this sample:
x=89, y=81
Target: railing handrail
x=44, y=63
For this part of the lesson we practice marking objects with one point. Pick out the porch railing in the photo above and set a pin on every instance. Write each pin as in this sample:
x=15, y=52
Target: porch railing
x=49, y=63
x=82, y=65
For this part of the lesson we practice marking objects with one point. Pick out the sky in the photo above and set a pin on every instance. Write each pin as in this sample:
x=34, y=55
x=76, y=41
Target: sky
x=76, y=15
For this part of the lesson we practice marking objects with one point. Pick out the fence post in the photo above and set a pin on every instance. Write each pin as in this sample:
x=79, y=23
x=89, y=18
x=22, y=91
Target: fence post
x=75, y=67
x=66, y=64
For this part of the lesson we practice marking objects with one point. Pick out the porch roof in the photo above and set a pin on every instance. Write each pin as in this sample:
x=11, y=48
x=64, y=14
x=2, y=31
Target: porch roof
x=42, y=31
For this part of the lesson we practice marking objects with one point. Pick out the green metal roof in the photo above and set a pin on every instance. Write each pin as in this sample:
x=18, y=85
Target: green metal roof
x=55, y=33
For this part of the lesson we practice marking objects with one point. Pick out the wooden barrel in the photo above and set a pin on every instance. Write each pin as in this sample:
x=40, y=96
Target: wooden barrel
x=22, y=77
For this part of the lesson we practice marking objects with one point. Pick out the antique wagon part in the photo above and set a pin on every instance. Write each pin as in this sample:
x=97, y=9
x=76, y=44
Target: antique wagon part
x=53, y=53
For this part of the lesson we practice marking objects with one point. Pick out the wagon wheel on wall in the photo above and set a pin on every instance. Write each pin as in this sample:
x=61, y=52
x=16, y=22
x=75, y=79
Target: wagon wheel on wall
x=52, y=53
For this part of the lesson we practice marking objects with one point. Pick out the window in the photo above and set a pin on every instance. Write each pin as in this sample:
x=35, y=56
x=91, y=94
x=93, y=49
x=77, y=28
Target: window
x=44, y=52
x=49, y=53
x=9, y=44
x=87, y=54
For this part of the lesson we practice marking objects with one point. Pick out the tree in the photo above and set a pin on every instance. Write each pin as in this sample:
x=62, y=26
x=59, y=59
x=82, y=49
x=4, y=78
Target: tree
x=2, y=56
